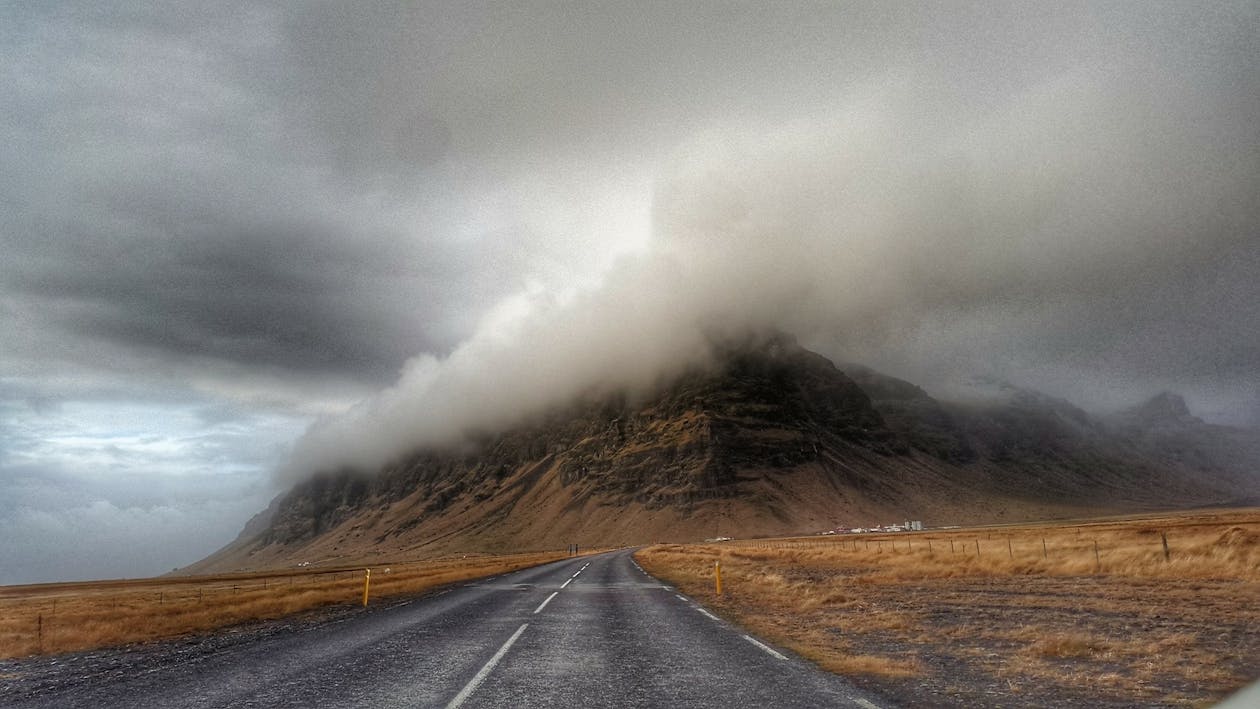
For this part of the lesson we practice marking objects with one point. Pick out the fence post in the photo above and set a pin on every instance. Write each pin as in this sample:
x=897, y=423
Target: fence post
x=977, y=547
x=1164, y=537
x=40, y=632
x=1097, y=560
x=1009, y=551
x=717, y=576
x=1044, y=554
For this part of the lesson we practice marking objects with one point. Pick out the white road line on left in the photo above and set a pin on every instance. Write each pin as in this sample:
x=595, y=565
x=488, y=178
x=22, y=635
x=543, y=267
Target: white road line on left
x=485, y=671
x=862, y=702
x=544, y=603
x=765, y=647
x=566, y=583
x=709, y=614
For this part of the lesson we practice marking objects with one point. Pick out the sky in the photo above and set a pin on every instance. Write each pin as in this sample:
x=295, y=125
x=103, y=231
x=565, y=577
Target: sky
x=243, y=242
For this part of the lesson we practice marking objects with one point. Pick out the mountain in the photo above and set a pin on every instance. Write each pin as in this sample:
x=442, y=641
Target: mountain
x=770, y=438
x=1225, y=456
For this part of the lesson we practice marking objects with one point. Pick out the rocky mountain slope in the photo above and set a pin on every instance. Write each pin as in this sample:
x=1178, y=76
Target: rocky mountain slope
x=771, y=439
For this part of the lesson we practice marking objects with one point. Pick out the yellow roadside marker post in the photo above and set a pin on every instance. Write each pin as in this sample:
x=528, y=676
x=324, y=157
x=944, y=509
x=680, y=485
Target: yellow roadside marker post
x=367, y=579
x=717, y=576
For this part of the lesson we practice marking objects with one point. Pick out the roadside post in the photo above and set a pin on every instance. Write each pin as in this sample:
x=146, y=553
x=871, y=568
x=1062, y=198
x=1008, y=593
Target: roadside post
x=717, y=576
x=367, y=580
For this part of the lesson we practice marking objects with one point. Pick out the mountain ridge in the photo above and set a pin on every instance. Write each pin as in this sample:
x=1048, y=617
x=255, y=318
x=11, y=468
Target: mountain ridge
x=770, y=438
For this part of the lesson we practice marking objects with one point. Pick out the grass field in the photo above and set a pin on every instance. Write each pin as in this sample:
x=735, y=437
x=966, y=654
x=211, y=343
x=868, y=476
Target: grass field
x=1080, y=614
x=53, y=618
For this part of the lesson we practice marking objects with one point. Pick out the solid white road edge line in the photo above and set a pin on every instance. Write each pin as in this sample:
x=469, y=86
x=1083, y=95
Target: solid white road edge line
x=544, y=603
x=680, y=598
x=865, y=703
x=765, y=647
x=709, y=614
x=485, y=671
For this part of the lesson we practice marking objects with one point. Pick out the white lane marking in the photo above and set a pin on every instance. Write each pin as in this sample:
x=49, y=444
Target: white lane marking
x=544, y=603
x=680, y=598
x=709, y=614
x=862, y=702
x=765, y=647
x=566, y=583
x=485, y=671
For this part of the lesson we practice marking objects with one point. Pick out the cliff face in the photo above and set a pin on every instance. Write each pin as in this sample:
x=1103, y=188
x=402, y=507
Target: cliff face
x=771, y=439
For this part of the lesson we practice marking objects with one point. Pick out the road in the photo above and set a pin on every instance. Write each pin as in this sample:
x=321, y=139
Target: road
x=592, y=631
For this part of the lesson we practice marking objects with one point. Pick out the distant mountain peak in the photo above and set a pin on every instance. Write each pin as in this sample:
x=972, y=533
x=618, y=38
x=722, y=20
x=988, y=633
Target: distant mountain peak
x=1165, y=408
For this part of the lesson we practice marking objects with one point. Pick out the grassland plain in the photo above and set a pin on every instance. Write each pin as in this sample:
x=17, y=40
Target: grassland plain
x=1083, y=614
x=66, y=617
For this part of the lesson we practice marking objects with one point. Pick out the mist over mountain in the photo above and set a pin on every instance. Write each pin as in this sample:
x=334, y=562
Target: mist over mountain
x=765, y=438
x=934, y=252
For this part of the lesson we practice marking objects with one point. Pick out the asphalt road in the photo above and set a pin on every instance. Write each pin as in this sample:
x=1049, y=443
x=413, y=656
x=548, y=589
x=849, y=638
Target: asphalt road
x=587, y=632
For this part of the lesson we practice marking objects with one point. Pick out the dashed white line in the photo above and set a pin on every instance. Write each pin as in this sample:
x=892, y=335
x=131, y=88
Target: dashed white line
x=544, y=603
x=681, y=598
x=566, y=583
x=485, y=671
x=709, y=614
x=765, y=647
x=862, y=702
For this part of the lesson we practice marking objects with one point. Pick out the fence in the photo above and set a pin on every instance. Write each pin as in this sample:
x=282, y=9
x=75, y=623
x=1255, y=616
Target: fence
x=76, y=616
x=1094, y=548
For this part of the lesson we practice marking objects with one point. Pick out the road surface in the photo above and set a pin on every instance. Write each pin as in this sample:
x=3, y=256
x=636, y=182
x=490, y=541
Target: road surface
x=592, y=631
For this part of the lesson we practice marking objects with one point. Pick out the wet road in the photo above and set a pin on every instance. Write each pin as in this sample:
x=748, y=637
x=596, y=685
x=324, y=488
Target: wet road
x=590, y=632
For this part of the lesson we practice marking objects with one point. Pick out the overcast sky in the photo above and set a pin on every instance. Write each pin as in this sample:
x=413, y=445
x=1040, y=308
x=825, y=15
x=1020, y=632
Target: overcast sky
x=221, y=223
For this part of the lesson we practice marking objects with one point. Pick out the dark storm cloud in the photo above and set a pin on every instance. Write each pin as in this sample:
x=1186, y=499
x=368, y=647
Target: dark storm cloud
x=166, y=204
x=306, y=188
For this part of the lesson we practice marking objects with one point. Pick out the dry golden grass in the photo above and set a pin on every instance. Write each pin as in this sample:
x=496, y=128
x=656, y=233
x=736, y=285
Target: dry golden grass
x=53, y=618
x=1089, y=610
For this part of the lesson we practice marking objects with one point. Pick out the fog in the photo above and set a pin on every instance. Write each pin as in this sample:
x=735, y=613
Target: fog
x=1081, y=214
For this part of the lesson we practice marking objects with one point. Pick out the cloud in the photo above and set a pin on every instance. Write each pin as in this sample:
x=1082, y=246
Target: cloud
x=1017, y=240
x=103, y=488
x=1065, y=199
x=100, y=539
